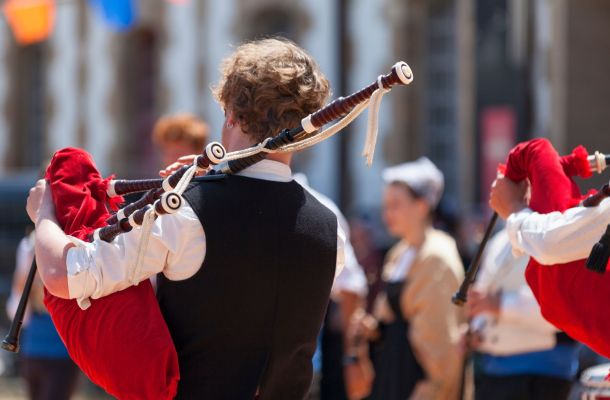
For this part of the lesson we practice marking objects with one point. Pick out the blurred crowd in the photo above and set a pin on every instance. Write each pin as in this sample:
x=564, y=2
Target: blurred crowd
x=391, y=331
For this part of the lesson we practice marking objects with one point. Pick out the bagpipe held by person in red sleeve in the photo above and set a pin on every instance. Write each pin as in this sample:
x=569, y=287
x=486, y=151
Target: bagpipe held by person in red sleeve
x=120, y=341
x=558, y=231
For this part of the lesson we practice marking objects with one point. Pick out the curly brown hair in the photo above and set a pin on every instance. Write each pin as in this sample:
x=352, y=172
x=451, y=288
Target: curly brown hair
x=269, y=85
x=182, y=127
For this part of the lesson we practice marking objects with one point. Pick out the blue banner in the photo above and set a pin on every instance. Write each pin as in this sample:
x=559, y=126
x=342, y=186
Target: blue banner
x=119, y=14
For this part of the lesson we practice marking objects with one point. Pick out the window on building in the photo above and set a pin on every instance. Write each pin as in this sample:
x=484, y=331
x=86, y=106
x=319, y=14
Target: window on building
x=441, y=132
x=138, y=102
x=26, y=108
x=278, y=19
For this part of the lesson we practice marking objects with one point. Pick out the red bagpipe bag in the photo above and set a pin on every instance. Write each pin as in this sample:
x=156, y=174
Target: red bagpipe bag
x=121, y=342
x=571, y=297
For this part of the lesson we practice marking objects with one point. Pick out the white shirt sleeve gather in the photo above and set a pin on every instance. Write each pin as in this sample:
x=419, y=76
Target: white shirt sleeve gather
x=558, y=237
x=176, y=248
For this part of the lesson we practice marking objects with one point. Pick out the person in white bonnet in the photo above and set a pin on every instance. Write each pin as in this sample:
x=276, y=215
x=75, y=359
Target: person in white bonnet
x=421, y=176
x=414, y=329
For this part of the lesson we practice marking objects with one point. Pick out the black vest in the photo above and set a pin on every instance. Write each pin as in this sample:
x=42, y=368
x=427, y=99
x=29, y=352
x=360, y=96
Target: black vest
x=250, y=316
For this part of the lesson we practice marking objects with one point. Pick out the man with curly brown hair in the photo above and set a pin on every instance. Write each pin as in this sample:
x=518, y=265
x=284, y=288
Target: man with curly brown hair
x=246, y=266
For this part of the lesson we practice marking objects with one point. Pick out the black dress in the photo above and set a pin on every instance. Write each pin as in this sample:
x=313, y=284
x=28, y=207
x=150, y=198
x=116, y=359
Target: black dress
x=396, y=369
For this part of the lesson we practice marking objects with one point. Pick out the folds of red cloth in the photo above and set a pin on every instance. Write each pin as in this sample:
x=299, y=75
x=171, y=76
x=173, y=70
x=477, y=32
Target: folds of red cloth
x=571, y=297
x=121, y=342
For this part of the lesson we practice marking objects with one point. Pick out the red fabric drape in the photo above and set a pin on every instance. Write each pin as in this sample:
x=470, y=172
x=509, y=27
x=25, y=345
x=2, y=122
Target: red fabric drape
x=571, y=297
x=121, y=342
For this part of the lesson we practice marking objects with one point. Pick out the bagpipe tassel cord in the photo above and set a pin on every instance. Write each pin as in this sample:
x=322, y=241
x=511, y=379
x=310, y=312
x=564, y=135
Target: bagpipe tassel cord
x=600, y=162
x=373, y=104
x=147, y=224
x=373, y=123
x=149, y=220
x=302, y=144
x=250, y=151
x=325, y=134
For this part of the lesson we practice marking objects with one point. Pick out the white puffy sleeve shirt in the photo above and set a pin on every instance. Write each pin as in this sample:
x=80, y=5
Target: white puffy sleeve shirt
x=176, y=247
x=558, y=237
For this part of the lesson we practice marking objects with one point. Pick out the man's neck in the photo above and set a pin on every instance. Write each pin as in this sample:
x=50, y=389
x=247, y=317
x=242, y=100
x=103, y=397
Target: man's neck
x=284, y=158
x=235, y=139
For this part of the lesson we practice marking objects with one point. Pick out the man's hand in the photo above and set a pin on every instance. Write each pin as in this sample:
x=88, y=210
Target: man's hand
x=363, y=326
x=358, y=371
x=480, y=302
x=182, y=161
x=507, y=197
x=40, y=201
x=469, y=339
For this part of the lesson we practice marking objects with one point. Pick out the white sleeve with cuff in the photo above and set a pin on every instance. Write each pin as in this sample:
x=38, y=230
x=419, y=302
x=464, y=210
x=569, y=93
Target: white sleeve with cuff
x=176, y=247
x=558, y=238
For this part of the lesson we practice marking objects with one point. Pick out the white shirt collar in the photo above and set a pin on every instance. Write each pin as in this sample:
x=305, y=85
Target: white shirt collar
x=268, y=170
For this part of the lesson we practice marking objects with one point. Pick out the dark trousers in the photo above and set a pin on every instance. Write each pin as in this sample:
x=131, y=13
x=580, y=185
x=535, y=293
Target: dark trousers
x=521, y=387
x=332, y=384
x=49, y=379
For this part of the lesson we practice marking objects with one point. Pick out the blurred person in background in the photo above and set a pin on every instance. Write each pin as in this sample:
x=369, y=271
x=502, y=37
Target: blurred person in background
x=414, y=328
x=470, y=231
x=368, y=255
x=44, y=362
x=519, y=354
x=344, y=367
x=179, y=135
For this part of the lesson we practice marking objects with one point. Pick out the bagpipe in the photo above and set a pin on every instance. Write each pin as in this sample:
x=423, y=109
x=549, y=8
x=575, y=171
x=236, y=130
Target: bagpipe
x=571, y=296
x=121, y=341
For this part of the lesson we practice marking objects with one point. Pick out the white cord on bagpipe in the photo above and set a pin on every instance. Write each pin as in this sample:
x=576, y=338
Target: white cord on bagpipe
x=149, y=220
x=250, y=151
x=147, y=224
x=373, y=103
x=373, y=122
x=325, y=134
x=600, y=162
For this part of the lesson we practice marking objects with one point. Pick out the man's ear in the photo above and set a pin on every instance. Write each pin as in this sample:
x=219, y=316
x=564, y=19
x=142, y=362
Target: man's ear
x=230, y=118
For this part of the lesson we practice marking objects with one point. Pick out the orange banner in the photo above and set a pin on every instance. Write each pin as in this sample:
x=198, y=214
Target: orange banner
x=31, y=20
